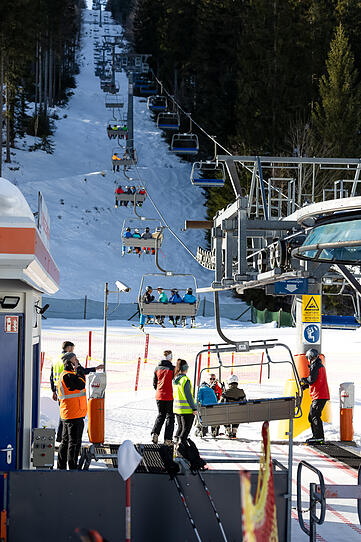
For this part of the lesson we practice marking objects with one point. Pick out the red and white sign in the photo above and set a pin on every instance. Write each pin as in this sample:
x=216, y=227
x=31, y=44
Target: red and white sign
x=11, y=324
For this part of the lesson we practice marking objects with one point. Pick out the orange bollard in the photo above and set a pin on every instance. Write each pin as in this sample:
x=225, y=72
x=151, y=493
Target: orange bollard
x=96, y=420
x=232, y=363
x=347, y=402
x=199, y=368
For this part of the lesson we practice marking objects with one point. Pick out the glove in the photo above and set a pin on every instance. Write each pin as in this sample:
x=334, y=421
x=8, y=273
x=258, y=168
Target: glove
x=304, y=383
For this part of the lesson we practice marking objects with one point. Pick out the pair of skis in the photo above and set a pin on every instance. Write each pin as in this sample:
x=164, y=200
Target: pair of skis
x=188, y=512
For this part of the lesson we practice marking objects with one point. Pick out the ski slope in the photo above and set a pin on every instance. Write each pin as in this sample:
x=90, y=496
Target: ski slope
x=78, y=185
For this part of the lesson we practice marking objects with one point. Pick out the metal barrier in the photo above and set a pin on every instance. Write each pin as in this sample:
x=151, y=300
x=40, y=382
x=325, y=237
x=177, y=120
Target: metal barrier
x=318, y=495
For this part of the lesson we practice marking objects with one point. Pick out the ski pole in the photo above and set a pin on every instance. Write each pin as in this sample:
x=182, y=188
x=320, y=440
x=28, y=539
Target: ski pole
x=183, y=499
x=213, y=506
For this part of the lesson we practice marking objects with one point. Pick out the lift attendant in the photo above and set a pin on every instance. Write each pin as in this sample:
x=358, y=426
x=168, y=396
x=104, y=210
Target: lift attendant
x=73, y=409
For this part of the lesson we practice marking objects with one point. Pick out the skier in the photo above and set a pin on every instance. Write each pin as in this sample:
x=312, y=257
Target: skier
x=162, y=383
x=146, y=235
x=136, y=235
x=73, y=409
x=319, y=392
x=213, y=382
x=232, y=394
x=191, y=299
x=147, y=298
x=116, y=160
x=118, y=190
x=157, y=234
x=206, y=396
x=127, y=191
x=162, y=299
x=128, y=234
x=141, y=191
x=175, y=298
x=184, y=406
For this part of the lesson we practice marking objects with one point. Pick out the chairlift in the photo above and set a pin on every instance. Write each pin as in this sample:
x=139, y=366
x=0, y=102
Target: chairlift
x=138, y=244
x=254, y=410
x=208, y=174
x=136, y=197
x=157, y=103
x=117, y=129
x=185, y=144
x=127, y=159
x=114, y=102
x=167, y=309
x=168, y=121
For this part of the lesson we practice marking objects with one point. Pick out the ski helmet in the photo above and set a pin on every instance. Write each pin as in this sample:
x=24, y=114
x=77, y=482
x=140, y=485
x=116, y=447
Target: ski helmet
x=148, y=288
x=136, y=230
x=189, y=291
x=311, y=354
x=233, y=379
x=146, y=229
x=128, y=229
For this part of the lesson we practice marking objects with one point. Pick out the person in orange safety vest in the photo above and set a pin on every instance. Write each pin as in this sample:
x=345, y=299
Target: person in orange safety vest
x=73, y=409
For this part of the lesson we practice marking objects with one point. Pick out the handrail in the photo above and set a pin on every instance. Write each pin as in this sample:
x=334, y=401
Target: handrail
x=315, y=498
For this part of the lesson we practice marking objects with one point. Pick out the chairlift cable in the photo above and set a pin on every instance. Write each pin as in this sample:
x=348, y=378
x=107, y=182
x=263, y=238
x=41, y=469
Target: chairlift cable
x=164, y=220
x=212, y=138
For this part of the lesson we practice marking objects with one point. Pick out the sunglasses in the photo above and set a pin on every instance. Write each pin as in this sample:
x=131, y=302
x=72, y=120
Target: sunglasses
x=212, y=379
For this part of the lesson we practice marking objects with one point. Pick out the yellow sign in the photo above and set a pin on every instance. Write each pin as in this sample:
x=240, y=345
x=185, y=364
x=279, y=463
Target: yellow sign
x=311, y=308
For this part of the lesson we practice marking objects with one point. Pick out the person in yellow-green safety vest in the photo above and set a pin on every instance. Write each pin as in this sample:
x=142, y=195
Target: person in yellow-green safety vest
x=56, y=369
x=184, y=406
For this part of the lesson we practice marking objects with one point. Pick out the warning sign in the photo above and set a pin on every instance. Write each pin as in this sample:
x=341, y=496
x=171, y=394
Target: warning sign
x=311, y=308
x=11, y=324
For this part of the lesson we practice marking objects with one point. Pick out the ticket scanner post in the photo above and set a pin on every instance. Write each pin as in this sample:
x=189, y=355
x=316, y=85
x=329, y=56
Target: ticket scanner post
x=27, y=270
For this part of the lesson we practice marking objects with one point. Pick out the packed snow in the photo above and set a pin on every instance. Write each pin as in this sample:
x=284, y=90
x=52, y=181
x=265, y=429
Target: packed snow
x=79, y=189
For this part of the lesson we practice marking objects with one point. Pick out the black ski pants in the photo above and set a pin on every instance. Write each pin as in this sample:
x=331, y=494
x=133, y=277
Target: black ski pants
x=70, y=443
x=185, y=422
x=314, y=418
x=165, y=414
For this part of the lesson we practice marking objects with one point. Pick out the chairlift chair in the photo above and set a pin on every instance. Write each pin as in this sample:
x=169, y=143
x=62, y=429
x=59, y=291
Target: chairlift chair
x=185, y=144
x=117, y=129
x=168, y=309
x=126, y=159
x=154, y=244
x=168, y=121
x=132, y=198
x=208, y=174
x=114, y=102
x=157, y=103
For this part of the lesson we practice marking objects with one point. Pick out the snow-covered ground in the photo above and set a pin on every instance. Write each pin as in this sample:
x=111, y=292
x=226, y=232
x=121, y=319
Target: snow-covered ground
x=130, y=414
x=85, y=226
x=86, y=246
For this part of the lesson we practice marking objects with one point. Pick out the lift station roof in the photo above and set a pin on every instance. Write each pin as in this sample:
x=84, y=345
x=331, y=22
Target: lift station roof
x=24, y=254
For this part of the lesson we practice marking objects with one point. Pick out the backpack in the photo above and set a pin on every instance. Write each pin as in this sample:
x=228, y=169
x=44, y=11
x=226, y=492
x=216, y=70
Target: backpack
x=190, y=452
x=166, y=454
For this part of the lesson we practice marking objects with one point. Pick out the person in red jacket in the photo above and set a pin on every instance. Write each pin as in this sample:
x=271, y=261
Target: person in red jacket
x=162, y=383
x=317, y=382
x=213, y=382
x=119, y=190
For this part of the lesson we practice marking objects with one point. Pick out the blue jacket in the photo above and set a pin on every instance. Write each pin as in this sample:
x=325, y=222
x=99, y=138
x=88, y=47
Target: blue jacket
x=128, y=234
x=206, y=395
x=175, y=298
x=189, y=298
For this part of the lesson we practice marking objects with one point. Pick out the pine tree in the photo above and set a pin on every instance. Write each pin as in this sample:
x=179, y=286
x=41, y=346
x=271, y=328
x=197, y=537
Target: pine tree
x=336, y=117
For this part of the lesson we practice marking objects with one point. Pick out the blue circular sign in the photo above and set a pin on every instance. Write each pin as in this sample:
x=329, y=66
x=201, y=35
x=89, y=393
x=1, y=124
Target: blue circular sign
x=311, y=333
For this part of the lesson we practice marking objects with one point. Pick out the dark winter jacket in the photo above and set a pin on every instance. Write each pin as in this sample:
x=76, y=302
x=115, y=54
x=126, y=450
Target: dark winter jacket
x=85, y=372
x=162, y=381
x=175, y=298
x=74, y=381
x=317, y=380
x=147, y=235
x=234, y=393
x=147, y=297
